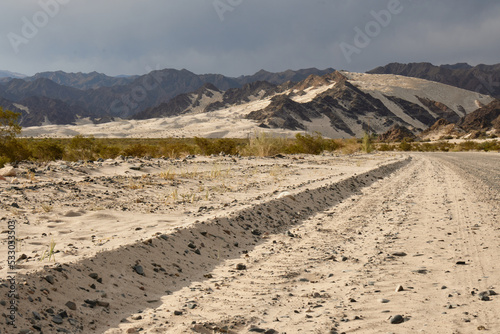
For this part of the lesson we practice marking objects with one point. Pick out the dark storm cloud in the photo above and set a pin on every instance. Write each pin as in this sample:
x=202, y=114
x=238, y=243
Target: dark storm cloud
x=236, y=37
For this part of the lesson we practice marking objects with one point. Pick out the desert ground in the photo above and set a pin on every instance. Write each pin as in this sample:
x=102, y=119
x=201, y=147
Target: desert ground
x=373, y=243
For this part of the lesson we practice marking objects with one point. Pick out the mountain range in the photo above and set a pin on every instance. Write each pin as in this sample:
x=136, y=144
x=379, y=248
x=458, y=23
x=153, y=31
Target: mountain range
x=98, y=96
x=335, y=103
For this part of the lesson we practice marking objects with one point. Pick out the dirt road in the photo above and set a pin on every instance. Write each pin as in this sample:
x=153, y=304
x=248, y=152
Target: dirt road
x=430, y=230
x=364, y=244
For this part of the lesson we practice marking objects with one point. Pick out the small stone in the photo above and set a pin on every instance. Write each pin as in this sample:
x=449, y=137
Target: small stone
x=103, y=304
x=138, y=269
x=256, y=232
x=192, y=246
x=71, y=305
x=29, y=331
x=399, y=288
x=91, y=303
x=461, y=263
x=57, y=319
x=257, y=330
x=50, y=279
x=178, y=312
x=22, y=257
x=384, y=301
x=94, y=276
x=399, y=254
x=397, y=319
x=241, y=266
x=37, y=315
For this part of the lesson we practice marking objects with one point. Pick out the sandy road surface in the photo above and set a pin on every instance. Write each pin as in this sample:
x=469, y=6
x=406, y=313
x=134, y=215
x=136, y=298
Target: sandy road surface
x=340, y=270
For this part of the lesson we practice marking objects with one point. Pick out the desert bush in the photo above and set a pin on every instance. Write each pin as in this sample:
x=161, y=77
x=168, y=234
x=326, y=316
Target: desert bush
x=14, y=150
x=141, y=150
x=264, y=144
x=405, y=146
x=467, y=146
x=366, y=144
x=10, y=148
x=175, y=149
x=47, y=150
x=109, y=151
x=385, y=147
x=350, y=146
x=81, y=148
x=311, y=144
x=221, y=145
x=487, y=146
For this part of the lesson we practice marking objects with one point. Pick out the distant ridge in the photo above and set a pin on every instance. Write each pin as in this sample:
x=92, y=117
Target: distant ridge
x=8, y=74
x=484, y=79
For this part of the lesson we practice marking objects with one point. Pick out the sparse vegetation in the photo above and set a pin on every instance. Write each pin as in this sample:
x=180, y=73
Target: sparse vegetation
x=49, y=253
x=81, y=148
x=366, y=144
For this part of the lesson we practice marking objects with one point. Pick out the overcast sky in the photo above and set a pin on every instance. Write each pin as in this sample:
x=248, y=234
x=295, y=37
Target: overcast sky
x=236, y=37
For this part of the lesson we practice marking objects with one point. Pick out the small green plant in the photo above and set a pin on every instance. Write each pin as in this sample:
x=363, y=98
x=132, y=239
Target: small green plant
x=366, y=143
x=49, y=253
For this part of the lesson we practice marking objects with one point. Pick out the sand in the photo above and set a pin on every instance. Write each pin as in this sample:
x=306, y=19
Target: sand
x=296, y=244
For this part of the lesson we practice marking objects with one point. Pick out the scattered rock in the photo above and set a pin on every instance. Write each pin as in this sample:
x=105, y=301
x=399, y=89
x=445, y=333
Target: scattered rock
x=50, y=279
x=399, y=288
x=384, y=301
x=256, y=232
x=22, y=257
x=399, y=254
x=94, y=276
x=71, y=305
x=8, y=171
x=241, y=266
x=57, y=319
x=485, y=295
x=397, y=319
x=103, y=304
x=139, y=269
x=178, y=312
x=91, y=303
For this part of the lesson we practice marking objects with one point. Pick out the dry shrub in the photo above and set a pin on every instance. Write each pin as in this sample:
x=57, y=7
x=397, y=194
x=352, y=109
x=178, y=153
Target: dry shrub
x=264, y=144
x=350, y=146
